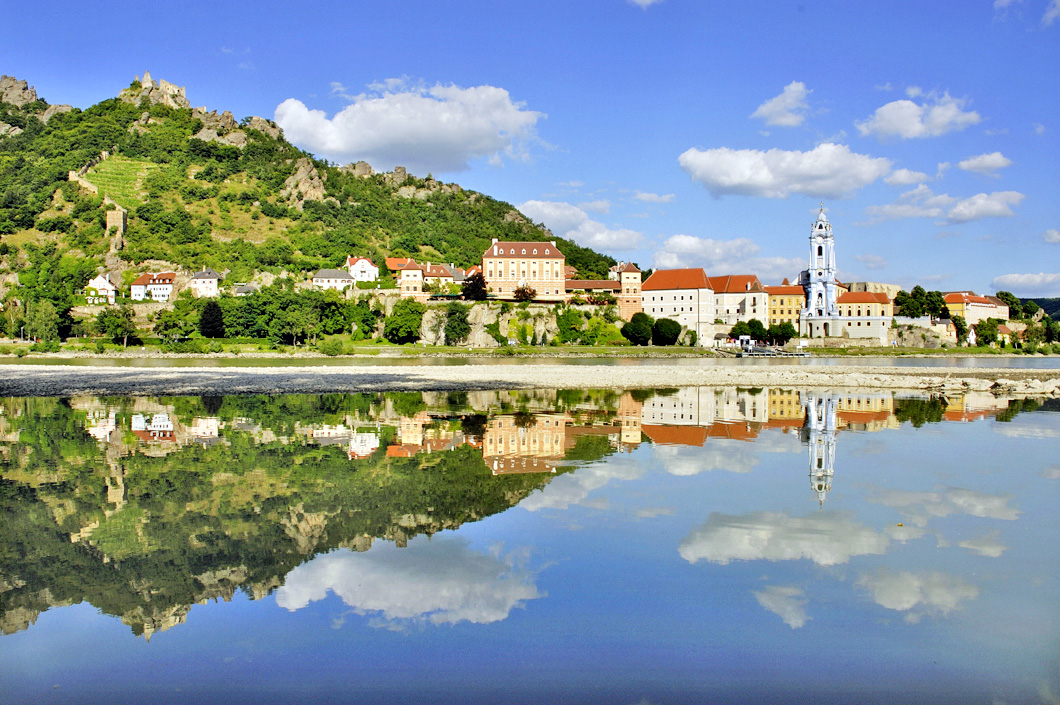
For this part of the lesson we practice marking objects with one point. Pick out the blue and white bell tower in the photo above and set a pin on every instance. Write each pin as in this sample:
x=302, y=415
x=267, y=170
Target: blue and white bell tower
x=820, y=316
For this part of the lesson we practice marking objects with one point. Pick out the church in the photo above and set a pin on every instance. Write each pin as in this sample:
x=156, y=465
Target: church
x=830, y=311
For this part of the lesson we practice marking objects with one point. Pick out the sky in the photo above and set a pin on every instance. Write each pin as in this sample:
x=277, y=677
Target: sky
x=670, y=133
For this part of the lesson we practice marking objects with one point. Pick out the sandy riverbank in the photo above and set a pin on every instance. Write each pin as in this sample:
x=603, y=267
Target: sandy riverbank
x=61, y=380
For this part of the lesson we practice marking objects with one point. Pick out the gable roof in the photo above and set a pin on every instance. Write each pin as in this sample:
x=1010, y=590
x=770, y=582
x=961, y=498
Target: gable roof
x=332, y=274
x=735, y=283
x=785, y=290
x=528, y=250
x=350, y=261
x=206, y=273
x=863, y=297
x=394, y=263
x=966, y=297
x=148, y=279
x=664, y=279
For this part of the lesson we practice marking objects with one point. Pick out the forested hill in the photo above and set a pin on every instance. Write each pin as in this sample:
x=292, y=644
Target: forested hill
x=202, y=189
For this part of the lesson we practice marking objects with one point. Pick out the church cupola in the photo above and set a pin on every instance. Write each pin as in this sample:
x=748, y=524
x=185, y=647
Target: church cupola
x=819, y=317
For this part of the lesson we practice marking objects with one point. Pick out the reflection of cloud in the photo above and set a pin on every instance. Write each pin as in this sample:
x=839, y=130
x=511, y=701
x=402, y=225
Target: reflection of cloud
x=652, y=512
x=787, y=603
x=1029, y=427
x=825, y=539
x=1052, y=472
x=919, y=594
x=986, y=545
x=442, y=582
x=692, y=460
x=574, y=487
x=918, y=507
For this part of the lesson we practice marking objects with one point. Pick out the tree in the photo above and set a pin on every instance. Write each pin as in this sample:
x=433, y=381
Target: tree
x=637, y=332
x=116, y=322
x=1030, y=308
x=961, y=328
x=211, y=320
x=403, y=324
x=986, y=332
x=474, y=287
x=43, y=322
x=741, y=328
x=665, y=332
x=1015, y=308
x=781, y=333
x=757, y=330
x=524, y=293
x=934, y=303
x=170, y=325
x=457, y=327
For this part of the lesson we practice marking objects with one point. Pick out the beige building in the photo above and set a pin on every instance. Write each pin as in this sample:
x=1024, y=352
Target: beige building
x=517, y=445
x=683, y=295
x=204, y=283
x=508, y=266
x=974, y=308
x=785, y=302
x=739, y=297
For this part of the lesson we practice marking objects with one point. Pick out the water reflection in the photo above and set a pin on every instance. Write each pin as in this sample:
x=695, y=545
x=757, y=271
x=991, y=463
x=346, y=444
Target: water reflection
x=391, y=510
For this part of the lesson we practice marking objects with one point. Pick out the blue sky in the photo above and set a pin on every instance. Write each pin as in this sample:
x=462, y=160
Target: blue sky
x=666, y=132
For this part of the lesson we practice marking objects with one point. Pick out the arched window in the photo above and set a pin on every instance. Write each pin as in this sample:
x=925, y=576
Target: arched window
x=820, y=251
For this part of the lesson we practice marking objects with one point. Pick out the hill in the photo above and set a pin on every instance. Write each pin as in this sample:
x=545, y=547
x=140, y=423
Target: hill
x=204, y=190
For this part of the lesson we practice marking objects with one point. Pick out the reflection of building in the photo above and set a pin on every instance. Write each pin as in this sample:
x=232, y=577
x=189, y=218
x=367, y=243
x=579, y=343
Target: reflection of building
x=524, y=443
x=362, y=445
x=154, y=428
x=821, y=429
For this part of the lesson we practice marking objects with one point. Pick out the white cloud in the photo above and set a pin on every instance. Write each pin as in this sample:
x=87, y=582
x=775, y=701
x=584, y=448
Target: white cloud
x=653, y=197
x=725, y=256
x=906, y=119
x=919, y=507
x=914, y=91
x=601, y=206
x=645, y=4
x=440, y=128
x=825, y=539
x=871, y=261
x=994, y=205
x=884, y=87
x=1034, y=426
x=987, y=545
x=920, y=202
x=920, y=594
x=1051, y=235
x=1052, y=11
x=906, y=177
x=828, y=170
x=574, y=488
x=987, y=164
x=691, y=460
x=570, y=221
x=440, y=582
x=1052, y=472
x=1039, y=128
x=1001, y=4
x=1041, y=284
x=787, y=109
x=788, y=603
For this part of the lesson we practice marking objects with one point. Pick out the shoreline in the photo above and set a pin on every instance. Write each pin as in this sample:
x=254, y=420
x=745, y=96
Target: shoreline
x=67, y=380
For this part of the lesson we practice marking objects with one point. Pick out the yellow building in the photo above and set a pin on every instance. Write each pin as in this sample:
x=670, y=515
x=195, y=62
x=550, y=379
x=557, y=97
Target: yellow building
x=785, y=302
x=538, y=265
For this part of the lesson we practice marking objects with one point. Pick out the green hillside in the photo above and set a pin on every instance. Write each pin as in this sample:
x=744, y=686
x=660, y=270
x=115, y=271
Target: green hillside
x=195, y=200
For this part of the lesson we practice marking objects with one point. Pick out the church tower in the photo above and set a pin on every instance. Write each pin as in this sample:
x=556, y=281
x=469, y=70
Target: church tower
x=819, y=317
x=821, y=431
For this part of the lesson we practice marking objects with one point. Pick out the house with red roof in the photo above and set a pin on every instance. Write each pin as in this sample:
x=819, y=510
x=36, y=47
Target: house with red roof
x=974, y=308
x=362, y=269
x=156, y=287
x=682, y=295
x=739, y=297
x=508, y=266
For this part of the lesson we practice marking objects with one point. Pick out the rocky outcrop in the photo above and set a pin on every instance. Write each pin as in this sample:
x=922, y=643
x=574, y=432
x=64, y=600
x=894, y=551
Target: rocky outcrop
x=360, y=169
x=221, y=123
x=54, y=110
x=267, y=127
x=9, y=130
x=16, y=92
x=156, y=93
x=305, y=184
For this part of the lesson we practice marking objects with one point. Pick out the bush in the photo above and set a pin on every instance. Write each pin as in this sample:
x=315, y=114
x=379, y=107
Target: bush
x=665, y=332
x=403, y=325
x=331, y=347
x=637, y=332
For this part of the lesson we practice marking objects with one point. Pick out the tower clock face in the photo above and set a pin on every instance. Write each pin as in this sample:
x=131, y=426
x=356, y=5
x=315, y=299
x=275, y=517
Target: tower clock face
x=820, y=274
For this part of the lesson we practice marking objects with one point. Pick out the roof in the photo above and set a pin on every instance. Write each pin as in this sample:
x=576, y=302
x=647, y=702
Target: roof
x=148, y=278
x=393, y=263
x=607, y=284
x=529, y=250
x=675, y=435
x=332, y=274
x=206, y=273
x=863, y=297
x=436, y=270
x=735, y=283
x=785, y=290
x=476, y=269
x=664, y=279
x=350, y=261
x=110, y=278
x=966, y=297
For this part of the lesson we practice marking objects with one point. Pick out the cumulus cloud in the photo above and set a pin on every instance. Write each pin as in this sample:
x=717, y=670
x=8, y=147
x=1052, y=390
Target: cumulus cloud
x=439, y=128
x=653, y=197
x=920, y=202
x=1040, y=284
x=787, y=109
x=828, y=170
x=906, y=177
x=919, y=507
x=825, y=539
x=601, y=206
x=871, y=261
x=919, y=594
x=692, y=460
x=907, y=119
x=718, y=256
x=1051, y=235
x=1035, y=426
x=983, y=205
x=788, y=603
x=571, y=222
x=438, y=582
x=988, y=545
x=987, y=164
x=574, y=488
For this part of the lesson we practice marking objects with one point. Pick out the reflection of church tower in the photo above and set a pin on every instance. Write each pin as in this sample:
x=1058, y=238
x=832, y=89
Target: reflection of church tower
x=821, y=429
x=819, y=317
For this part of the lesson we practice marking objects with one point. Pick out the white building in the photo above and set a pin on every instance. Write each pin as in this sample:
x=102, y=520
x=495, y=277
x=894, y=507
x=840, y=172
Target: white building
x=362, y=269
x=337, y=279
x=204, y=283
x=683, y=295
x=739, y=297
x=821, y=429
x=156, y=287
x=820, y=315
x=103, y=289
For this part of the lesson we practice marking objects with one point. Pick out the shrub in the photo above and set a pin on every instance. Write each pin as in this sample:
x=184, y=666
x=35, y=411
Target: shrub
x=403, y=325
x=665, y=332
x=331, y=347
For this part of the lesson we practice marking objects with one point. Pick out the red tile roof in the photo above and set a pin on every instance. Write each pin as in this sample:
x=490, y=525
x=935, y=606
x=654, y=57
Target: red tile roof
x=785, y=290
x=630, y=267
x=395, y=263
x=735, y=283
x=529, y=250
x=665, y=279
x=148, y=279
x=675, y=435
x=350, y=261
x=863, y=297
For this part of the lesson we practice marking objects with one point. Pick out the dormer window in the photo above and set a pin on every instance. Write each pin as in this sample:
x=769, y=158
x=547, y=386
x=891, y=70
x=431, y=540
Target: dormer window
x=535, y=250
x=524, y=250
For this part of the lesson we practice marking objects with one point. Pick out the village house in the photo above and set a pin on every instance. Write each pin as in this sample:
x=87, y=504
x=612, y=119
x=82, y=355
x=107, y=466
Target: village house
x=864, y=314
x=785, y=302
x=337, y=279
x=508, y=266
x=739, y=297
x=156, y=287
x=410, y=280
x=974, y=308
x=362, y=269
x=204, y=283
x=623, y=282
x=103, y=289
x=683, y=295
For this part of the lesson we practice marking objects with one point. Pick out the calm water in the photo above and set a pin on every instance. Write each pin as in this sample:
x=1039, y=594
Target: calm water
x=697, y=545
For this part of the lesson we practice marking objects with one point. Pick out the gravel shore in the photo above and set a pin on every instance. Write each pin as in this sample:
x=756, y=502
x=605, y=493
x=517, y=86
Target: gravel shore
x=63, y=380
